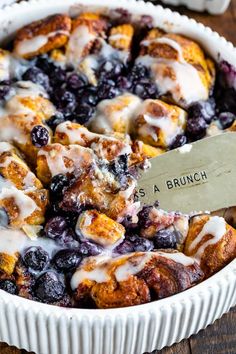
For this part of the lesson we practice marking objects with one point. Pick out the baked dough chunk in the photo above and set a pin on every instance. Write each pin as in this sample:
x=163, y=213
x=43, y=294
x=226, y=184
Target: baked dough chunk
x=134, y=279
x=99, y=228
x=158, y=123
x=23, y=207
x=121, y=36
x=179, y=66
x=86, y=29
x=40, y=37
x=115, y=115
x=101, y=189
x=55, y=158
x=212, y=242
x=104, y=147
x=14, y=169
x=27, y=108
x=5, y=63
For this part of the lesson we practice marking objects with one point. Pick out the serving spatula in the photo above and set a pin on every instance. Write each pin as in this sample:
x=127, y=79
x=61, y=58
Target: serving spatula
x=196, y=177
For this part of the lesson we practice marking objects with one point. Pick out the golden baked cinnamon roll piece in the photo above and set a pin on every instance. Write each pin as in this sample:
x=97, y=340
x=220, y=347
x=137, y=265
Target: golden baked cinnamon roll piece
x=158, y=123
x=121, y=37
x=178, y=65
x=41, y=36
x=104, y=147
x=56, y=158
x=99, y=188
x=134, y=278
x=212, y=242
x=99, y=228
x=115, y=115
x=86, y=29
x=22, y=112
x=14, y=169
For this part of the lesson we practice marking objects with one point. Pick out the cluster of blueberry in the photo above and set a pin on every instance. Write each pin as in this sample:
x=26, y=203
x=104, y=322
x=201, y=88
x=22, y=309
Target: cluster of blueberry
x=76, y=99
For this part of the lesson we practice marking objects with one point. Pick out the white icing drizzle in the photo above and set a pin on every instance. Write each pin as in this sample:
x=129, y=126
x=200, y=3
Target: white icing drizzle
x=4, y=147
x=82, y=136
x=29, y=180
x=215, y=227
x=187, y=86
x=34, y=44
x=5, y=62
x=121, y=109
x=79, y=40
x=177, y=257
x=131, y=264
x=15, y=241
x=55, y=157
x=25, y=204
x=98, y=272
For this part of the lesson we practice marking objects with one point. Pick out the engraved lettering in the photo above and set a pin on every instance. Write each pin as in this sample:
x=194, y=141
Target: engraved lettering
x=156, y=189
x=142, y=192
x=183, y=181
x=203, y=175
x=176, y=182
x=196, y=177
x=169, y=184
x=187, y=180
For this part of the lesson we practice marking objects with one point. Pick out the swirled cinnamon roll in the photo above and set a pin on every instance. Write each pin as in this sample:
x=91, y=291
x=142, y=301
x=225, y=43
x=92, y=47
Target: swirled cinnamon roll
x=135, y=278
x=211, y=241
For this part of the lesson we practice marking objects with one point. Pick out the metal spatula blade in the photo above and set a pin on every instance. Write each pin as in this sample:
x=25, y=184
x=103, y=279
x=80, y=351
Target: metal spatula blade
x=196, y=177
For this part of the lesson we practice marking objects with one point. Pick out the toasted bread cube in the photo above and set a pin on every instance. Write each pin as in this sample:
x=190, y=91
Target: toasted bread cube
x=99, y=228
x=41, y=36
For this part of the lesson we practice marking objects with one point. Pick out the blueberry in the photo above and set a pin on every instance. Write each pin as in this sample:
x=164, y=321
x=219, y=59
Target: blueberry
x=37, y=76
x=66, y=260
x=134, y=243
x=111, y=69
x=55, y=120
x=138, y=72
x=143, y=216
x=89, y=97
x=75, y=81
x=4, y=218
x=4, y=91
x=39, y=136
x=204, y=109
x=45, y=65
x=8, y=286
x=196, y=128
x=84, y=113
x=57, y=77
x=35, y=258
x=226, y=119
x=145, y=89
x=165, y=238
x=49, y=288
x=227, y=101
x=123, y=83
x=58, y=183
x=119, y=166
x=65, y=99
x=106, y=90
x=180, y=140
x=88, y=249
x=56, y=227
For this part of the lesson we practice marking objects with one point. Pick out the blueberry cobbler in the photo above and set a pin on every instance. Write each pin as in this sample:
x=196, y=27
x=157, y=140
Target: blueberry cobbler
x=85, y=103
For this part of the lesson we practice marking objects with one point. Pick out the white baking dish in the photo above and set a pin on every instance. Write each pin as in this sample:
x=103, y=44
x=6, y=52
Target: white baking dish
x=213, y=6
x=46, y=329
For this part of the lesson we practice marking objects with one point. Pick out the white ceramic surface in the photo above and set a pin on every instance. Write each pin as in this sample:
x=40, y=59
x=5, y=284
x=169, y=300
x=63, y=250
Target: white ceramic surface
x=45, y=329
x=214, y=7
